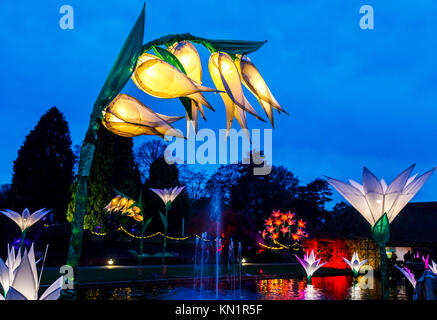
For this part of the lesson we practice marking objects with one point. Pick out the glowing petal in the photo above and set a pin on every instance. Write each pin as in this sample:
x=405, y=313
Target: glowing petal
x=225, y=76
x=408, y=274
x=310, y=263
x=433, y=267
x=25, y=220
x=252, y=79
x=190, y=60
x=162, y=80
x=168, y=195
x=127, y=117
x=355, y=197
x=408, y=193
x=374, y=198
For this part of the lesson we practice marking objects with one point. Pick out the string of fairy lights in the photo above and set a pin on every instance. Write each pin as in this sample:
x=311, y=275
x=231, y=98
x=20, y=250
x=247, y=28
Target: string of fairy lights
x=120, y=228
x=279, y=246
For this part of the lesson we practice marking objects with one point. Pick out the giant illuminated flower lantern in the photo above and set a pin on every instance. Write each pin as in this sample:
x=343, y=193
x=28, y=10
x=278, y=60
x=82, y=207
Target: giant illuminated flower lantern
x=311, y=264
x=25, y=220
x=167, y=196
x=176, y=72
x=355, y=264
x=125, y=206
x=380, y=203
x=374, y=197
x=253, y=81
x=283, y=227
x=20, y=280
x=172, y=71
x=226, y=78
x=127, y=117
x=189, y=58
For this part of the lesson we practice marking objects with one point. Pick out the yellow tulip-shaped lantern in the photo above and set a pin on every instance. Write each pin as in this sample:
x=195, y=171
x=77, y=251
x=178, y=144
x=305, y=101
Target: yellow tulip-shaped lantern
x=190, y=60
x=127, y=117
x=253, y=81
x=225, y=75
x=162, y=80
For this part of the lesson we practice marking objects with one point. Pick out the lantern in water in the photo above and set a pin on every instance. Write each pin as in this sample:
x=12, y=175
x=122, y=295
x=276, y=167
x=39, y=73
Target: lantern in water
x=127, y=117
x=160, y=79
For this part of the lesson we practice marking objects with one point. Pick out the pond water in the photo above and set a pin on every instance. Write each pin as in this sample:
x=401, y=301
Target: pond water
x=322, y=288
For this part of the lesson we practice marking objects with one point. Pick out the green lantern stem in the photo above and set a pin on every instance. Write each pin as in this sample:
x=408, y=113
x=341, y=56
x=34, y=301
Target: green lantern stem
x=165, y=223
x=23, y=237
x=381, y=234
x=310, y=279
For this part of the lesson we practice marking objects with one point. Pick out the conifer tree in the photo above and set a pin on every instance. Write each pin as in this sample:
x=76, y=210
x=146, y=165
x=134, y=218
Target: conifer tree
x=43, y=170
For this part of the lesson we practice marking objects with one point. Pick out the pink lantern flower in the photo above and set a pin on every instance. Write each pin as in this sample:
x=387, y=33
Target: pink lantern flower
x=408, y=274
x=310, y=263
x=433, y=267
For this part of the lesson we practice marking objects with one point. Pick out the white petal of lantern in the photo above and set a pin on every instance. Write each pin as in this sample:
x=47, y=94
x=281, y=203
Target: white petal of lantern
x=225, y=76
x=54, y=291
x=31, y=257
x=379, y=198
x=13, y=294
x=4, y=276
x=38, y=215
x=374, y=194
x=408, y=193
x=354, y=196
x=162, y=80
x=24, y=280
x=14, y=216
x=127, y=117
x=357, y=185
x=253, y=81
x=190, y=60
x=394, y=191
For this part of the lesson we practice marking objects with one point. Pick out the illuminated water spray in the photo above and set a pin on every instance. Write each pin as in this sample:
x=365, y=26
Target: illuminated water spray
x=216, y=216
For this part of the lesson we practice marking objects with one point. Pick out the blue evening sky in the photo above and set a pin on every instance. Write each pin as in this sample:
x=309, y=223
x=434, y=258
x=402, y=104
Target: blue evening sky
x=355, y=97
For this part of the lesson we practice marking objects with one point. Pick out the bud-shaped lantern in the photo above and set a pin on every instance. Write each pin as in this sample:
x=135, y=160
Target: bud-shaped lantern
x=127, y=117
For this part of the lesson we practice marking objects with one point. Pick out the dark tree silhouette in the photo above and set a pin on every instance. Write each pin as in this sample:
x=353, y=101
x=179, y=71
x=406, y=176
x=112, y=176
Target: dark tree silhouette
x=113, y=168
x=222, y=181
x=194, y=182
x=147, y=153
x=258, y=195
x=5, y=195
x=43, y=170
x=311, y=202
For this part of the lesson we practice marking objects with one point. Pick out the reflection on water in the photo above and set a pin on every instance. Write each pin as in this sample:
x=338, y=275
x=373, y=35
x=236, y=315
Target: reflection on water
x=322, y=288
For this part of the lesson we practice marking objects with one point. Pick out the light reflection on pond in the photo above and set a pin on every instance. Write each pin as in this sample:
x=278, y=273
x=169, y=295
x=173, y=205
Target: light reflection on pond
x=322, y=288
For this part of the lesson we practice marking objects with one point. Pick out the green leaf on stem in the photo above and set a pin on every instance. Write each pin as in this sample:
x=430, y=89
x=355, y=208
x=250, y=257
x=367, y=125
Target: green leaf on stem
x=168, y=206
x=164, y=220
x=146, y=224
x=381, y=230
